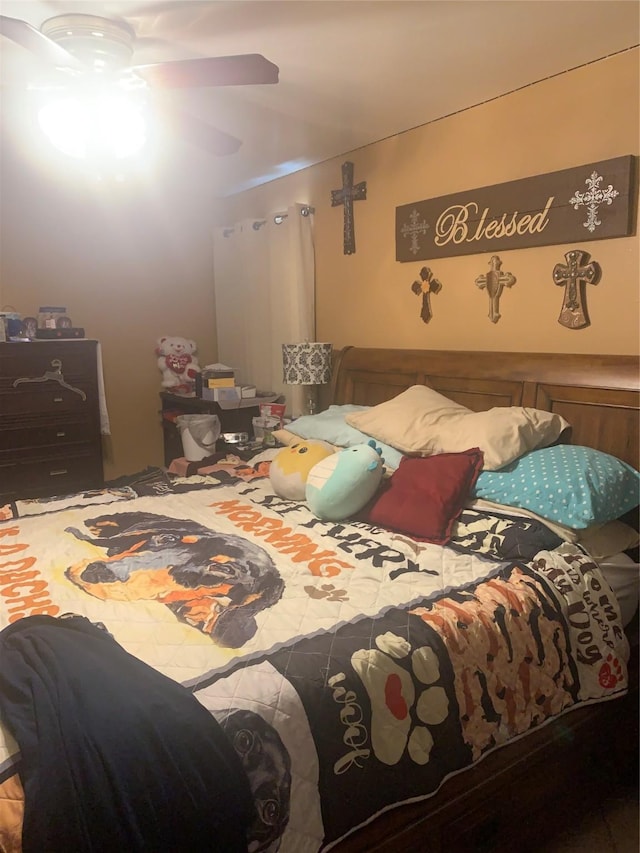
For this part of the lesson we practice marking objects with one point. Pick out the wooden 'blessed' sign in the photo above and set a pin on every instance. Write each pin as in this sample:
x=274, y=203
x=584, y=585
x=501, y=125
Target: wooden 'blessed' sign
x=590, y=202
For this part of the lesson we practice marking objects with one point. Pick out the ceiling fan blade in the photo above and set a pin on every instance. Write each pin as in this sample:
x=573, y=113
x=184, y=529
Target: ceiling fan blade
x=29, y=37
x=241, y=70
x=198, y=132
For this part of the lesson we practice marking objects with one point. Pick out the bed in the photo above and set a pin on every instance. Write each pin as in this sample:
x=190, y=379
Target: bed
x=414, y=695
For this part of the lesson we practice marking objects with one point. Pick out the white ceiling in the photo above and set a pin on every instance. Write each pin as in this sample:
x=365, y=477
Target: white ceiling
x=352, y=72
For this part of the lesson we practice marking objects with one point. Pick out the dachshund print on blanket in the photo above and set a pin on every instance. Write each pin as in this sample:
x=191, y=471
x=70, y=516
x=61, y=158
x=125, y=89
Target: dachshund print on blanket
x=268, y=767
x=215, y=581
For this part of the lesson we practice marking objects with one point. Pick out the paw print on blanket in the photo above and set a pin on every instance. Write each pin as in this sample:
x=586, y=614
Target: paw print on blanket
x=327, y=591
x=610, y=673
x=405, y=699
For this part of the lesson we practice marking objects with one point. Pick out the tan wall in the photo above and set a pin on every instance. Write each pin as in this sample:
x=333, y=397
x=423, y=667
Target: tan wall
x=583, y=116
x=132, y=265
x=129, y=266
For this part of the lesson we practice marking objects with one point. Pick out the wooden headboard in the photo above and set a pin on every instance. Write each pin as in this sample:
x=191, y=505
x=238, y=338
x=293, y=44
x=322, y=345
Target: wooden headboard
x=598, y=395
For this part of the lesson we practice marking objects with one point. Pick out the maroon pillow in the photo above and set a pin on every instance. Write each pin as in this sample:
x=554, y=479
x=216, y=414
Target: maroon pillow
x=425, y=495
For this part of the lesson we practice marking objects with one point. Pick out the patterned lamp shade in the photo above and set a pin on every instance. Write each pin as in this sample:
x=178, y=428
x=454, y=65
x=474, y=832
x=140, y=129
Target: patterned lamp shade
x=308, y=363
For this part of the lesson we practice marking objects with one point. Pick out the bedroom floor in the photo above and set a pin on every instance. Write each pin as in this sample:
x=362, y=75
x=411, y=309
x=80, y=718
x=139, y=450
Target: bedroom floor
x=610, y=827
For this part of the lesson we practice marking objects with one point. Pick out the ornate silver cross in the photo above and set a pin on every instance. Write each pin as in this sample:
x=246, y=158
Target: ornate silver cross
x=592, y=199
x=412, y=229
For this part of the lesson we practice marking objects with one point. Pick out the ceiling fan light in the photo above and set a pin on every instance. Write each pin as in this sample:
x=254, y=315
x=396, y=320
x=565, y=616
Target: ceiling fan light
x=105, y=126
x=121, y=127
x=62, y=122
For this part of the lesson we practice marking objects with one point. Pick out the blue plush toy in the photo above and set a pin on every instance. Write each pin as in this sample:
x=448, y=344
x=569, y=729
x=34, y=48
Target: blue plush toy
x=342, y=484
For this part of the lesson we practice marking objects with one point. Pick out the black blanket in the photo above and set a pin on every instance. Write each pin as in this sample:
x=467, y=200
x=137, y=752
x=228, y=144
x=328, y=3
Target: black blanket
x=114, y=755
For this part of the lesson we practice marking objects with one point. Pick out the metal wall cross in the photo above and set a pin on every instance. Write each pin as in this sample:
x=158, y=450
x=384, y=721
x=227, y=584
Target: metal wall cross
x=346, y=196
x=573, y=276
x=494, y=281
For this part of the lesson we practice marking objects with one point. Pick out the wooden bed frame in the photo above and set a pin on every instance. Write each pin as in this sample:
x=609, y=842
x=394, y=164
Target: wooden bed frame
x=522, y=793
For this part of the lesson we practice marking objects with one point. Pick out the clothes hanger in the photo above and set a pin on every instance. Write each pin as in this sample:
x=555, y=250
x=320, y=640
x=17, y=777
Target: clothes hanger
x=55, y=375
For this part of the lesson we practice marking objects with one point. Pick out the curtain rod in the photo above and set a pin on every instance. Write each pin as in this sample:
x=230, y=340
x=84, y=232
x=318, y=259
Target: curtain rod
x=304, y=211
x=278, y=219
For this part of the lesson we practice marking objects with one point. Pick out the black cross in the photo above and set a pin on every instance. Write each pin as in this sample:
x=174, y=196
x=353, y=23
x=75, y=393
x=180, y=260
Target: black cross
x=426, y=286
x=346, y=196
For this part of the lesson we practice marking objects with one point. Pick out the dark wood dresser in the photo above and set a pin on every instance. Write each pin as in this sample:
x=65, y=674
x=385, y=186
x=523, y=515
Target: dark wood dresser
x=50, y=441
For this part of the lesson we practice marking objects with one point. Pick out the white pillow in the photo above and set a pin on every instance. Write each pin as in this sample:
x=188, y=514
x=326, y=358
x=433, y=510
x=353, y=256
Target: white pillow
x=421, y=422
x=623, y=576
x=604, y=540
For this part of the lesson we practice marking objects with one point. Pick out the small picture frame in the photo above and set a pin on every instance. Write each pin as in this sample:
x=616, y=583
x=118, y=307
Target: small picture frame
x=48, y=316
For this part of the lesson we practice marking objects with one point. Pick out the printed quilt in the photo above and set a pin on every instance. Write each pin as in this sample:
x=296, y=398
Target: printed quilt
x=352, y=668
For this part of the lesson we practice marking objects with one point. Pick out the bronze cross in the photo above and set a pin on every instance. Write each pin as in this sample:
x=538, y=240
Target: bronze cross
x=426, y=286
x=573, y=276
x=494, y=281
x=346, y=196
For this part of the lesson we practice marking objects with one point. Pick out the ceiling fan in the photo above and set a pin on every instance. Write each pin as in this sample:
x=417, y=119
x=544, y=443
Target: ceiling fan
x=79, y=45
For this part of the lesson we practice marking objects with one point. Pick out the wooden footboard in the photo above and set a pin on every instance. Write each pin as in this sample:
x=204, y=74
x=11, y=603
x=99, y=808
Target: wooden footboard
x=521, y=795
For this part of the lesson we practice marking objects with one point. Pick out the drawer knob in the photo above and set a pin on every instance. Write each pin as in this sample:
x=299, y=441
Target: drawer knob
x=58, y=399
x=58, y=472
x=60, y=434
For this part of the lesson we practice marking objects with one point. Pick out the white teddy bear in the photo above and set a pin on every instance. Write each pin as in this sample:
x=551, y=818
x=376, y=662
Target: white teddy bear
x=177, y=363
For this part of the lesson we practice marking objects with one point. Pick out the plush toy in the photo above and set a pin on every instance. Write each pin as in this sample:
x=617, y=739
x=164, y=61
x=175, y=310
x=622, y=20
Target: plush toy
x=177, y=363
x=340, y=485
x=291, y=465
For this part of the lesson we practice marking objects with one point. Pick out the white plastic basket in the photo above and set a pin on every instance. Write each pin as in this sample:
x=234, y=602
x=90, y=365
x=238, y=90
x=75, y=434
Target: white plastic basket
x=199, y=434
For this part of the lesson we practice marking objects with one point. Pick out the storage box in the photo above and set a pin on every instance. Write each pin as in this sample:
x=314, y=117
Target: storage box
x=211, y=371
x=226, y=395
x=273, y=411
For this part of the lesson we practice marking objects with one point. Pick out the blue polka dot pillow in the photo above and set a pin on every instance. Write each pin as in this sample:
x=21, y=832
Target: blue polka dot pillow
x=574, y=486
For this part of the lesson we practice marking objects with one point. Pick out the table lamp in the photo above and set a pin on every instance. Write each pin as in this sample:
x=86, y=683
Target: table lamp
x=307, y=363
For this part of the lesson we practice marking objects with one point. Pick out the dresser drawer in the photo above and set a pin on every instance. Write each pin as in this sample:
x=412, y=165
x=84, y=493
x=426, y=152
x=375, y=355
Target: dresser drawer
x=46, y=398
x=56, y=476
x=33, y=359
x=23, y=368
x=54, y=433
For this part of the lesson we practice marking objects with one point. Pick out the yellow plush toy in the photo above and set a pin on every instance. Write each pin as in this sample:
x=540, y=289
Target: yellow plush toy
x=290, y=467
